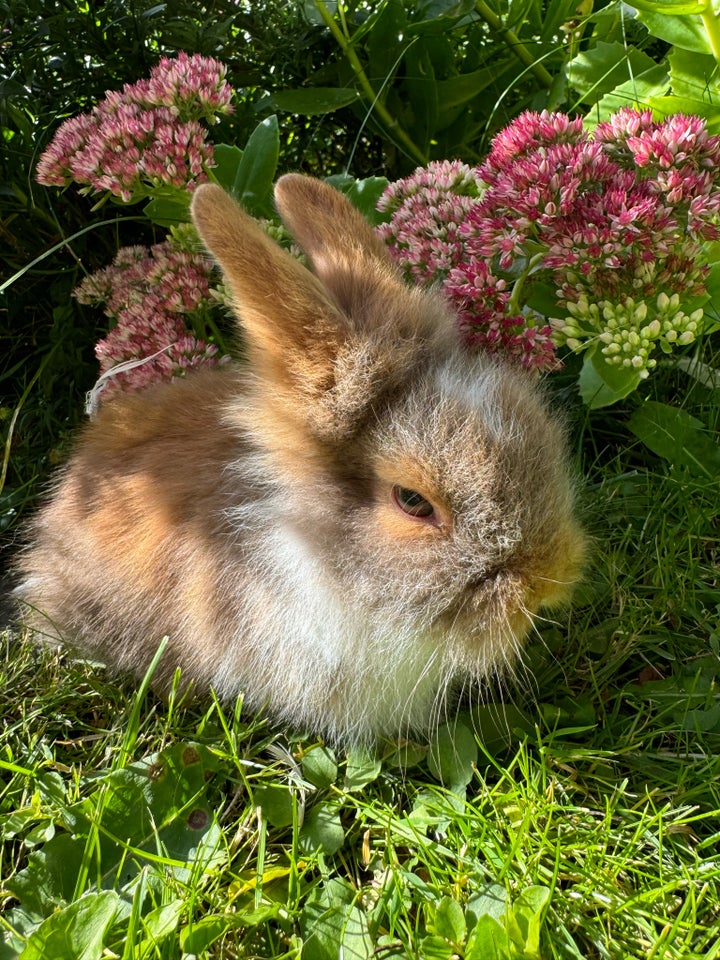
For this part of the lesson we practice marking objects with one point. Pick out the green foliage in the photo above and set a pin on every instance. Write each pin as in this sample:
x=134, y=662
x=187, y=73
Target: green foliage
x=684, y=82
x=677, y=436
x=581, y=816
x=430, y=77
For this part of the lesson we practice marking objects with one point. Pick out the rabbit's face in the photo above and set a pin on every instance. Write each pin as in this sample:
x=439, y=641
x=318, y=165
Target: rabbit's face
x=451, y=509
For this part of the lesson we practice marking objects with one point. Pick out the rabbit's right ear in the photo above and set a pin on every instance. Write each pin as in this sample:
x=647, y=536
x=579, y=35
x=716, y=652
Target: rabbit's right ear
x=293, y=331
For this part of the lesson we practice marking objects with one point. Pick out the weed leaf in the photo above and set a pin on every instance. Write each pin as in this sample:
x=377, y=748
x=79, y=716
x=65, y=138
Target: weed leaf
x=78, y=931
x=676, y=436
x=453, y=755
x=322, y=830
x=320, y=767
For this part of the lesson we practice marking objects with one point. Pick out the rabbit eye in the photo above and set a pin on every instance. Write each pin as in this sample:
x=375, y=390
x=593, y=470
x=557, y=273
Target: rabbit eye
x=412, y=503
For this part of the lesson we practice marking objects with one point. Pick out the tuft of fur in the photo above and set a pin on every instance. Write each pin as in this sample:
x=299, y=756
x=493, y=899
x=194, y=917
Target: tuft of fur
x=248, y=514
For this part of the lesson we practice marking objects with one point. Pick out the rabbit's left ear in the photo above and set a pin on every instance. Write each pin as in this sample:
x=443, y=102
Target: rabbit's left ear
x=293, y=330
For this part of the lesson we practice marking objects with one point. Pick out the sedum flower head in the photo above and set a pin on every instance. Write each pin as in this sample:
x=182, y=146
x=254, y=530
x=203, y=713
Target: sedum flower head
x=151, y=132
x=601, y=222
x=629, y=330
x=150, y=295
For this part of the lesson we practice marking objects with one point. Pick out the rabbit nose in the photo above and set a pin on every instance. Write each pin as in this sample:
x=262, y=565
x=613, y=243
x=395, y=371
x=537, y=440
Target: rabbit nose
x=492, y=572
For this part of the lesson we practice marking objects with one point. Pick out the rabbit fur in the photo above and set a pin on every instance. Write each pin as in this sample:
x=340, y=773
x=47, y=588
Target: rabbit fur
x=251, y=514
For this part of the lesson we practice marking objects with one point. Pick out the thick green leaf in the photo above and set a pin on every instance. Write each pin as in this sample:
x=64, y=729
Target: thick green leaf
x=362, y=768
x=168, y=211
x=76, y=932
x=449, y=921
x=154, y=803
x=363, y=194
x=634, y=93
x=227, y=161
x=694, y=76
x=200, y=935
x=489, y=940
x=665, y=106
x=322, y=830
x=332, y=927
x=527, y=912
x=490, y=900
x=687, y=31
x=457, y=91
x=462, y=100
x=255, y=172
x=599, y=69
x=673, y=434
x=671, y=8
x=500, y=725
x=50, y=875
x=453, y=755
x=319, y=767
x=276, y=802
x=695, y=85
x=420, y=87
x=163, y=920
x=435, y=948
x=602, y=384
x=311, y=101
x=439, y=16
x=385, y=30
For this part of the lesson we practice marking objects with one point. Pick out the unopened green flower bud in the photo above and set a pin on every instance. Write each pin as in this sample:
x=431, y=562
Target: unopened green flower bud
x=579, y=309
x=640, y=312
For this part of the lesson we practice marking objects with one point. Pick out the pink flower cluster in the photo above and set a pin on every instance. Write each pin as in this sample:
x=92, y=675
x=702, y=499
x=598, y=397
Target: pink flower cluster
x=428, y=209
x=149, y=294
x=562, y=219
x=150, y=132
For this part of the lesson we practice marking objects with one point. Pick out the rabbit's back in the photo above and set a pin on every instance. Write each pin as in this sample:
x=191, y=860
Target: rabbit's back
x=135, y=542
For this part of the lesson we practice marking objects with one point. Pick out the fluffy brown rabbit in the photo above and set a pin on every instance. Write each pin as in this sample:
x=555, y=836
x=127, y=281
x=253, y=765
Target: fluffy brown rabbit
x=343, y=529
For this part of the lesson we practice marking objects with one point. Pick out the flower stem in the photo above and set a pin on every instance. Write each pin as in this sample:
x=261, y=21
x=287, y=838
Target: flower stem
x=513, y=41
x=712, y=29
x=389, y=122
x=514, y=307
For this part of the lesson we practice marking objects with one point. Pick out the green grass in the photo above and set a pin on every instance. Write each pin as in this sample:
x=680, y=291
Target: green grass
x=578, y=818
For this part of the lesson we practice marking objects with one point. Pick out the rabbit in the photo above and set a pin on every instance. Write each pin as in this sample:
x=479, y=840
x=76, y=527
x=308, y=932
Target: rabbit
x=344, y=528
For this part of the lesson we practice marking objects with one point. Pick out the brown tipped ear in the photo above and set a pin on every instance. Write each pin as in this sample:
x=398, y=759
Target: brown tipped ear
x=353, y=263
x=345, y=252
x=323, y=220
x=293, y=330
